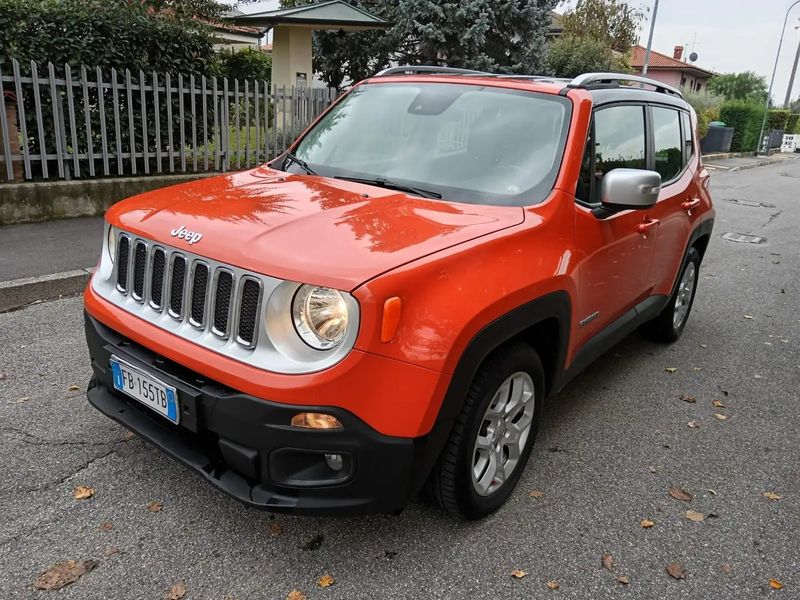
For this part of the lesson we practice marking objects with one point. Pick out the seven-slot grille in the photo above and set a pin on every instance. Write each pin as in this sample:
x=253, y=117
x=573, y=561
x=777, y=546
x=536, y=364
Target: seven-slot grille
x=189, y=289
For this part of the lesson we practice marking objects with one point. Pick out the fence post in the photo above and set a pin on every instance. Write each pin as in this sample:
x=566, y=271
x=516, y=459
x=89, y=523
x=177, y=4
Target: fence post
x=10, y=133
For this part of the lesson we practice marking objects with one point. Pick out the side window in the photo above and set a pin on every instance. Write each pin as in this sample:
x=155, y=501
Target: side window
x=619, y=142
x=688, y=138
x=667, y=142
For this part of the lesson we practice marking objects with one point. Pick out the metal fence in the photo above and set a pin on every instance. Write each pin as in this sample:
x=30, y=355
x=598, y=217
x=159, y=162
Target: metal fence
x=87, y=123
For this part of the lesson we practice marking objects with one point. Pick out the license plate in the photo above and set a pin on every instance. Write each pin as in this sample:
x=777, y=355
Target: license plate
x=145, y=388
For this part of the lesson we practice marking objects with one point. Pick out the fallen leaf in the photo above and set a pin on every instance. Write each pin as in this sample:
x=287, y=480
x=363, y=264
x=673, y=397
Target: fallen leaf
x=275, y=529
x=106, y=526
x=692, y=425
x=748, y=317
x=695, y=516
x=676, y=571
x=74, y=388
x=2, y=376
x=536, y=494
x=19, y=400
x=113, y=550
x=326, y=580
x=129, y=435
x=518, y=573
x=720, y=417
x=704, y=345
x=697, y=368
x=553, y=585
x=726, y=568
x=653, y=470
x=680, y=494
x=671, y=369
x=296, y=595
x=712, y=492
x=155, y=506
x=315, y=543
x=718, y=404
x=688, y=398
x=647, y=523
x=83, y=492
x=623, y=579
x=608, y=562
x=63, y=573
x=176, y=592
x=775, y=584
x=772, y=495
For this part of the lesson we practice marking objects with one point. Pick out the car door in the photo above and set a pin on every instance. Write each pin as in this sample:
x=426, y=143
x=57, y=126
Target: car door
x=616, y=250
x=672, y=151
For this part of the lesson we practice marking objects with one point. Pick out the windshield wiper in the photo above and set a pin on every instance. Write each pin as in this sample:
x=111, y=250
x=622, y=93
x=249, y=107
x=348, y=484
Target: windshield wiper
x=300, y=163
x=385, y=183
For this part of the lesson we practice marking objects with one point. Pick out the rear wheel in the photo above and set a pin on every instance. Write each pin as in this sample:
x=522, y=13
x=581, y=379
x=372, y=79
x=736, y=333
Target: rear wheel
x=670, y=322
x=493, y=435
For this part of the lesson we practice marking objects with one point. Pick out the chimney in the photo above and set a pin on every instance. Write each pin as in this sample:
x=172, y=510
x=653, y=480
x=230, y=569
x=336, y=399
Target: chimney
x=677, y=53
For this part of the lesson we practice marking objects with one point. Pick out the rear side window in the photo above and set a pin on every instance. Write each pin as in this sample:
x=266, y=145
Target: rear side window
x=667, y=142
x=688, y=138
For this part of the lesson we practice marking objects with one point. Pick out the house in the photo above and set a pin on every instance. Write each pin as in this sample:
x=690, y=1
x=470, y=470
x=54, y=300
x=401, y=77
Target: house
x=228, y=36
x=674, y=70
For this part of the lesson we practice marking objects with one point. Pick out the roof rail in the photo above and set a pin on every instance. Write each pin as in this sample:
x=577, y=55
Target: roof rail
x=589, y=80
x=418, y=69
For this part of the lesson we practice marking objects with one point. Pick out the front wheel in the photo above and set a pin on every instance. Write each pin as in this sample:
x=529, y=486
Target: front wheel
x=669, y=324
x=493, y=435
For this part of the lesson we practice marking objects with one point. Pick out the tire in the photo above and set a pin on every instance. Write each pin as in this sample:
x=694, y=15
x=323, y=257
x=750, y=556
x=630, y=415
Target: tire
x=455, y=483
x=668, y=326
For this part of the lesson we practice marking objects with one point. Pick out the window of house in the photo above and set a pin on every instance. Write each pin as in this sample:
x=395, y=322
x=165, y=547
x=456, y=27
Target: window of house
x=688, y=138
x=667, y=142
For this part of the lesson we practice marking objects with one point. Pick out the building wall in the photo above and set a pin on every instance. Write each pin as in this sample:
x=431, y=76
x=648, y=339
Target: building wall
x=678, y=79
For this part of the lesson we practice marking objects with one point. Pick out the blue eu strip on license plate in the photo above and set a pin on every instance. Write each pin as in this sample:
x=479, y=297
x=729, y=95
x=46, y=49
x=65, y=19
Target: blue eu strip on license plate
x=145, y=388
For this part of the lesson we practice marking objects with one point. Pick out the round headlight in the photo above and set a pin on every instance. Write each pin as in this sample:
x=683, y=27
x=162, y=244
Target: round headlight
x=111, y=244
x=320, y=316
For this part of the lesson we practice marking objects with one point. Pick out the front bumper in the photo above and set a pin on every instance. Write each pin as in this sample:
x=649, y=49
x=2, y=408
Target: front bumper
x=246, y=446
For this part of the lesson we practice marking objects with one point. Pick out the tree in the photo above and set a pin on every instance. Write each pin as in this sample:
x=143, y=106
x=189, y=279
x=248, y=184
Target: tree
x=571, y=56
x=249, y=64
x=613, y=22
x=479, y=34
x=739, y=86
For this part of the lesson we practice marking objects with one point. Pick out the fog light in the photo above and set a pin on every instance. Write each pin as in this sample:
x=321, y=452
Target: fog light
x=334, y=461
x=311, y=420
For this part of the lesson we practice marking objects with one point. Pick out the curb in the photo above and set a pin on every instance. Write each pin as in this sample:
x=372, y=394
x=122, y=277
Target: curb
x=19, y=292
x=762, y=163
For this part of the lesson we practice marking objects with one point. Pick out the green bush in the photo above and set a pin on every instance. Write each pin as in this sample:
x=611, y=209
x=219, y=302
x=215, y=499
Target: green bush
x=573, y=56
x=777, y=119
x=745, y=117
x=793, y=123
x=706, y=105
x=249, y=64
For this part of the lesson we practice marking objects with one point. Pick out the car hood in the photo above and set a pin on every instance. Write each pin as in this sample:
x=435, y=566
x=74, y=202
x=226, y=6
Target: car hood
x=305, y=228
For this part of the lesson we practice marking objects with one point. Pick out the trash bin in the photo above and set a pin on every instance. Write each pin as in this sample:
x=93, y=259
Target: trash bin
x=718, y=139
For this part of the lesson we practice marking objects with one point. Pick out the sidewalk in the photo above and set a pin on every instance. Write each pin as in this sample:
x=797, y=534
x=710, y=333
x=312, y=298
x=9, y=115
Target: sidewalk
x=40, y=261
x=741, y=163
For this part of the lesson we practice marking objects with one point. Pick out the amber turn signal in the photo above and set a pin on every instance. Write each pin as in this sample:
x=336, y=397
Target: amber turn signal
x=391, y=318
x=310, y=420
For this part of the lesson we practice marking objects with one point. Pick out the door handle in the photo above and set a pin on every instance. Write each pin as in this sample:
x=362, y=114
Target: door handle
x=690, y=205
x=644, y=227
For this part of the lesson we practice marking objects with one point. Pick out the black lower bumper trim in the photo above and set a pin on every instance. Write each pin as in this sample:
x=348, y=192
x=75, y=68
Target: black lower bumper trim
x=245, y=446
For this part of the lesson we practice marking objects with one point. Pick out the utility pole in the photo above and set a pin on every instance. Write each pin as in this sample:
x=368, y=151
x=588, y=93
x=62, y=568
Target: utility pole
x=650, y=39
x=791, y=78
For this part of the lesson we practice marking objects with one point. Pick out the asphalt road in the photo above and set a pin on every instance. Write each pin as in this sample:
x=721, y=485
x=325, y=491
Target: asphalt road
x=613, y=444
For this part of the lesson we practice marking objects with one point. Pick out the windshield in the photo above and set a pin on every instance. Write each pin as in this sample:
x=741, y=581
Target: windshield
x=465, y=143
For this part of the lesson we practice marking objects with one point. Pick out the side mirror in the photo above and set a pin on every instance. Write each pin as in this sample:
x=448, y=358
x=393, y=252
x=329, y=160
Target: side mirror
x=629, y=189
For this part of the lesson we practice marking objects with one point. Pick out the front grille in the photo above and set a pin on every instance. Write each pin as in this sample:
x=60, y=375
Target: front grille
x=199, y=289
x=123, y=248
x=157, y=279
x=139, y=267
x=177, y=284
x=186, y=285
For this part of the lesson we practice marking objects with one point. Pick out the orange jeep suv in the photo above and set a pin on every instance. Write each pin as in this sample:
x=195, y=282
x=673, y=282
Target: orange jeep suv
x=385, y=307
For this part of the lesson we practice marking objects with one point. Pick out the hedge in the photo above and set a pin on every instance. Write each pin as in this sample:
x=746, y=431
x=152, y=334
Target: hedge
x=793, y=123
x=777, y=119
x=745, y=117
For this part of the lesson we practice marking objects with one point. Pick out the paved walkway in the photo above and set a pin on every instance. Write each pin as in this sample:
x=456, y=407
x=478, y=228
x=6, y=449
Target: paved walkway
x=746, y=162
x=37, y=249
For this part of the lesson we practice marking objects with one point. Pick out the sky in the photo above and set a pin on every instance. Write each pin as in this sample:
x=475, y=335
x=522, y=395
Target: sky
x=728, y=35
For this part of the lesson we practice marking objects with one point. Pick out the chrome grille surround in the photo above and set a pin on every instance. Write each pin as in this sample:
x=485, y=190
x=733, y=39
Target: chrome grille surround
x=275, y=345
